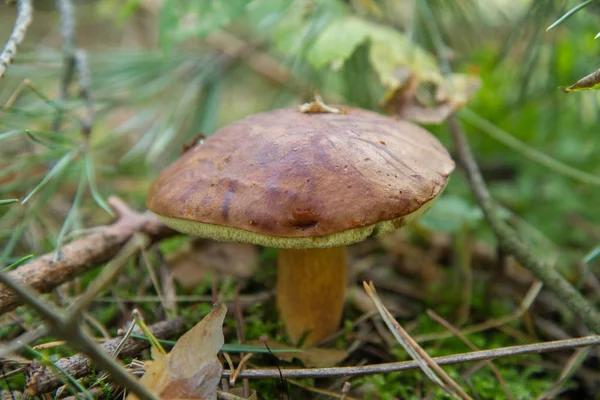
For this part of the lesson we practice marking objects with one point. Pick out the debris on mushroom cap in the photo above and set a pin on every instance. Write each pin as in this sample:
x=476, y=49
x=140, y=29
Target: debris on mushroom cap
x=318, y=106
x=290, y=179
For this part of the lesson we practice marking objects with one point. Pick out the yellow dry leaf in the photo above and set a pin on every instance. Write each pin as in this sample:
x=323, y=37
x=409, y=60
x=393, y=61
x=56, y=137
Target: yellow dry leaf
x=407, y=101
x=191, y=370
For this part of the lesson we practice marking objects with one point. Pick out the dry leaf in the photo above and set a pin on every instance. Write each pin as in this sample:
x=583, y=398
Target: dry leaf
x=191, y=370
x=318, y=106
x=310, y=357
x=589, y=82
x=409, y=100
x=191, y=264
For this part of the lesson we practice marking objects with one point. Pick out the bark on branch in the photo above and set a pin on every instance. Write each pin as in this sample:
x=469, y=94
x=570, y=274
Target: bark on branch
x=43, y=274
x=42, y=380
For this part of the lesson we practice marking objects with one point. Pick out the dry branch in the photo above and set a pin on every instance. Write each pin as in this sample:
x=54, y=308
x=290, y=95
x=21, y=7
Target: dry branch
x=70, y=329
x=511, y=243
x=43, y=274
x=17, y=35
x=386, y=368
x=42, y=380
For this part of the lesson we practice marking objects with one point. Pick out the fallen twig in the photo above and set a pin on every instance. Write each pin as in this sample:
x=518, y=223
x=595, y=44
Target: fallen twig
x=510, y=242
x=385, y=368
x=490, y=323
x=455, y=331
x=42, y=380
x=69, y=328
x=18, y=34
x=426, y=363
x=43, y=274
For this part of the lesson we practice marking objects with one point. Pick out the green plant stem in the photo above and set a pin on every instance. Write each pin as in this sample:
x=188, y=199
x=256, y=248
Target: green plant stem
x=71, y=331
x=531, y=153
x=510, y=242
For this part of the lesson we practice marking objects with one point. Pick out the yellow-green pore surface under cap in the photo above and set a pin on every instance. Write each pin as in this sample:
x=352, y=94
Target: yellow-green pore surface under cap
x=295, y=180
x=228, y=234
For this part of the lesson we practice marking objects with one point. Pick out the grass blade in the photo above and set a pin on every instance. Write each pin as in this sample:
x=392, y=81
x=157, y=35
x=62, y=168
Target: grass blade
x=9, y=134
x=71, y=216
x=5, y=202
x=570, y=13
x=529, y=152
x=18, y=263
x=56, y=170
x=91, y=177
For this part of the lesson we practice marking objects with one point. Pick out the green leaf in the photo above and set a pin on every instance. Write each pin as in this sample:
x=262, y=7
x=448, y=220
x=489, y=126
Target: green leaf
x=56, y=170
x=91, y=177
x=391, y=51
x=527, y=151
x=451, y=214
x=181, y=20
x=338, y=41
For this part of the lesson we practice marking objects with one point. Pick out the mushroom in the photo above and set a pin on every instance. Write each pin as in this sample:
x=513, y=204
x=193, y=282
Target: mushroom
x=308, y=184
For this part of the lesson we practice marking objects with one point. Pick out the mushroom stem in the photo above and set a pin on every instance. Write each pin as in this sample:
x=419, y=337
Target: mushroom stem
x=311, y=286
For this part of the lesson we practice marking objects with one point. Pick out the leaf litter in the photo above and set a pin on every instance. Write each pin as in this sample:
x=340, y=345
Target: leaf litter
x=191, y=370
x=192, y=264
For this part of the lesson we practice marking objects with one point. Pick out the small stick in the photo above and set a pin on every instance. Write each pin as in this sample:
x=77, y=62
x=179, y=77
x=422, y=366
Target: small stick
x=530, y=296
x=345, y=390
x=385, y=368
x=437, y=318
x=239, y=324
x=18, y=34
x=240, y=368
x=426, y=363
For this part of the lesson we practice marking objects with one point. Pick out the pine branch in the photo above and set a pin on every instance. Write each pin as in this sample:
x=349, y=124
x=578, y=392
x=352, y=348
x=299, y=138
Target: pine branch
x=18, y=34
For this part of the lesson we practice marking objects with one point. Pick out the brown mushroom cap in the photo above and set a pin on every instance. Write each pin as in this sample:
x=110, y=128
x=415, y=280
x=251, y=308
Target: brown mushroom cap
x=298, y=180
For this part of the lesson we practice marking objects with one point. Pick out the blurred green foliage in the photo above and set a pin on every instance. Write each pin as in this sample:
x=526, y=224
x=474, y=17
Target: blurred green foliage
x=538, y=147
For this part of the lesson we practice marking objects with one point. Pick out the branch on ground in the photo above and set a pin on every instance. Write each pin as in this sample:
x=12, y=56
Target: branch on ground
x=40, y=379
x=43, y=274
